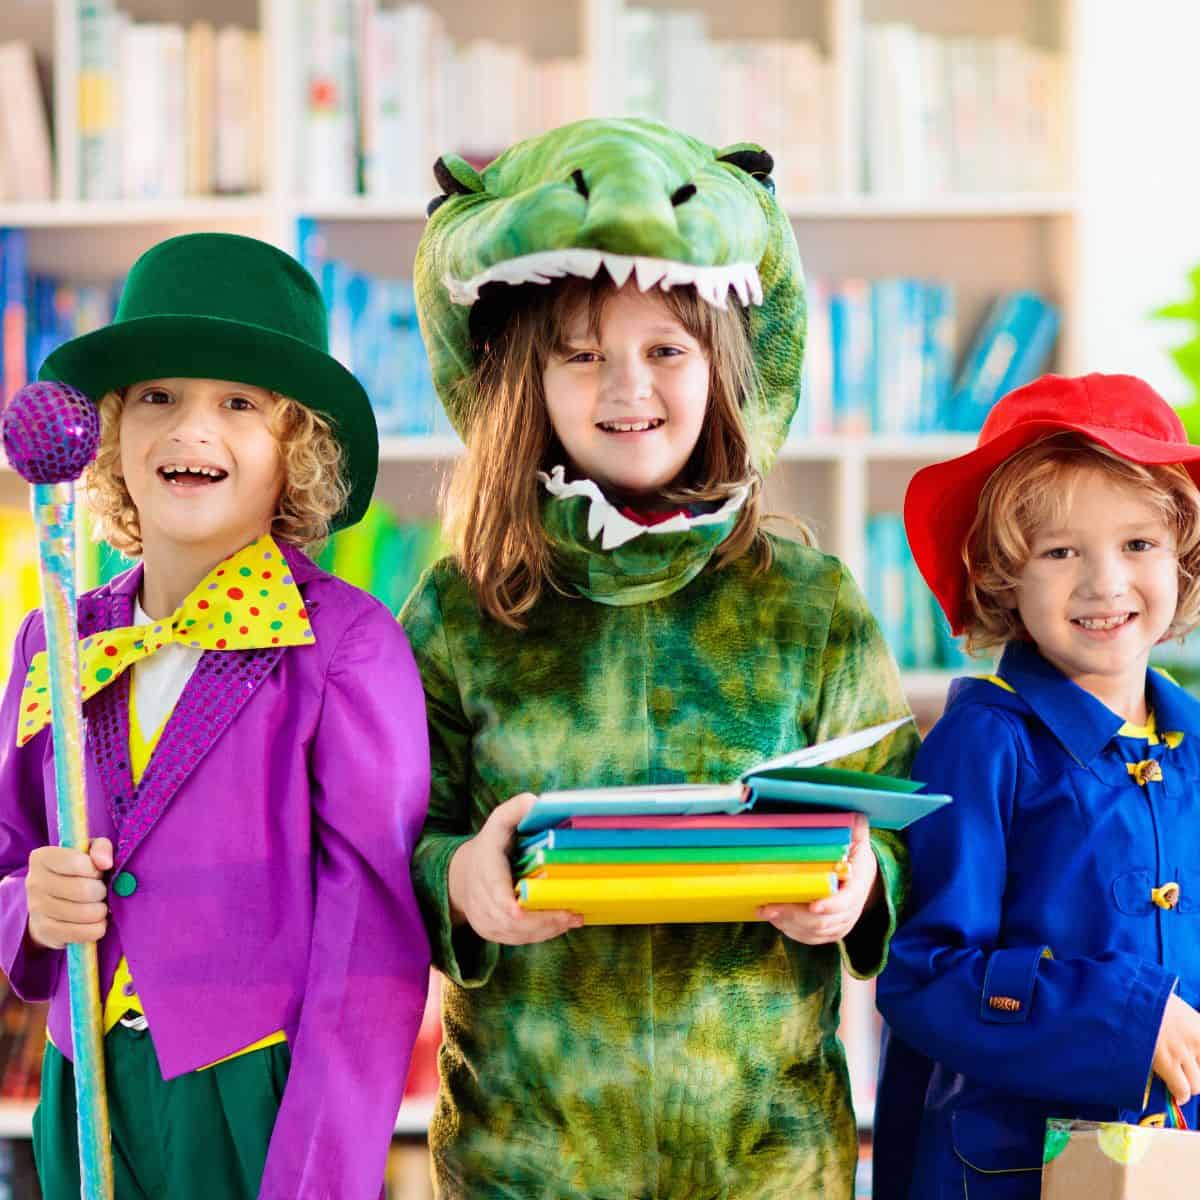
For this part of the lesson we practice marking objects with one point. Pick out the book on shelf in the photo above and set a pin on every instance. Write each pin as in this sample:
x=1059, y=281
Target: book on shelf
x=373, y=331
x=166, y=109
x=384, y=90
x=912, y=624
x=718, y=89
x=26, y=167
x=964, y=113
x=880, y=357
x=1010, y=349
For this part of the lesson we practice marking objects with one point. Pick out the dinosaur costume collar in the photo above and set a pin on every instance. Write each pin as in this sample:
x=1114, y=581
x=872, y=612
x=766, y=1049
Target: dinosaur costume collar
x=631, y=197
x=608, y=558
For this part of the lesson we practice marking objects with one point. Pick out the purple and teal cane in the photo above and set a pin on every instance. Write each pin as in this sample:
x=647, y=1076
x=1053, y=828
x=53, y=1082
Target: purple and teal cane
x=50, y=434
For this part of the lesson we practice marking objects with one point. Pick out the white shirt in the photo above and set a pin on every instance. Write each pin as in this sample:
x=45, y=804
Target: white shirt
x=158, y=681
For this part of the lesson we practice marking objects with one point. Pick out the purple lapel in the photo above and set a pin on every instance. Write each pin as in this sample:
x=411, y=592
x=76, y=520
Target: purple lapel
x=107, y=712
x=223, y=681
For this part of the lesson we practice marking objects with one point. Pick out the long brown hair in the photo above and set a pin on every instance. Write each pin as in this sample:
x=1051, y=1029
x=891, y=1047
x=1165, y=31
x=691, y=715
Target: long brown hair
x=492, y=504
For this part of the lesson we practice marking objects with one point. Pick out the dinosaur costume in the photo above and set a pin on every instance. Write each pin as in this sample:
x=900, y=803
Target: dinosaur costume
x=681, y=1061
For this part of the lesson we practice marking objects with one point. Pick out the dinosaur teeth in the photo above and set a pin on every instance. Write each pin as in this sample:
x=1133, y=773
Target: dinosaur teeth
x=712, y=283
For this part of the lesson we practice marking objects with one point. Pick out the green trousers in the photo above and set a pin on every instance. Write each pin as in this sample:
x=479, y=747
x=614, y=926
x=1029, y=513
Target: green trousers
x=201, y=1136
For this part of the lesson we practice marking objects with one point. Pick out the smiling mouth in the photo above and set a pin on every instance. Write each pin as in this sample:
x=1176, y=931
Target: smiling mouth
x=630, y=426
x=1100, y=624
x=191, y=476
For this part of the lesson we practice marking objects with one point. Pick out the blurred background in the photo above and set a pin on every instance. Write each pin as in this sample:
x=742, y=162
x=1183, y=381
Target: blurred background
x=981, y=192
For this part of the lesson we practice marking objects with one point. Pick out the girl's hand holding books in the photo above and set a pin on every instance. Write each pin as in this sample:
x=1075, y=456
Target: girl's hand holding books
x=66, y=894
x=825, y=921
x=480, y=884
x=1177, y=1051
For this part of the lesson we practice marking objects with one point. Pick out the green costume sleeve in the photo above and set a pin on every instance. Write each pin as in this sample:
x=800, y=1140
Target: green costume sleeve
x=458, y=952
x=860, y=686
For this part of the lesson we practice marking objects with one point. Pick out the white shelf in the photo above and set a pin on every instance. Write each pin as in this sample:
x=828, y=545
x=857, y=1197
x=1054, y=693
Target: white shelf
x=16, y=1118
x=964, y=205
x=365, y=208
x=419, y=448
x=927, y=689
x=200, y=210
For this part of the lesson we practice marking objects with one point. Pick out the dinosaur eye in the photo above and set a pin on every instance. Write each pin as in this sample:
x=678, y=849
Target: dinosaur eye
x=435, y=204
x=580, y=183
x=754, y=160
x=683, y=194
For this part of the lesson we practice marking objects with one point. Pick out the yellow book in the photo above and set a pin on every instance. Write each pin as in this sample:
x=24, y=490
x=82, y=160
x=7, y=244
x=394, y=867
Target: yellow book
x=652, y=900
x=628, y=870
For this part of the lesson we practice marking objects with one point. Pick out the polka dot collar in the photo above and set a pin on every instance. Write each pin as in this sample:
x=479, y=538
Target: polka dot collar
x=247, y=602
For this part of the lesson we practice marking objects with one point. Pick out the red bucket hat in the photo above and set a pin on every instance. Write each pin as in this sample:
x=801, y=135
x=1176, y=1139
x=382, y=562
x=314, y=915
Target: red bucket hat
x=1119, y=412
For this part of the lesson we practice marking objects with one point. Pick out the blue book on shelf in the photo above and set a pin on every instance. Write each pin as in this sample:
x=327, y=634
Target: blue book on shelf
x=1010, y=350
x=951, y=651
x=853, y=355
x=14, y=371
x=937, y=373
x=919, y=617
x=890, y=372
x=885, y=580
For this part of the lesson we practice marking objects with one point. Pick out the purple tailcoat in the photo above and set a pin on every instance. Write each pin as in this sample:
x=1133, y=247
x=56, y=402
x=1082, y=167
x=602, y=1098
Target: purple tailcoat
x=270, y=840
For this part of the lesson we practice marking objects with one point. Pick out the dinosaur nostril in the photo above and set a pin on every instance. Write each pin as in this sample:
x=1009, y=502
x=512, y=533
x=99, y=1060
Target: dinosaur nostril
x=683, y=194
x=580, y=183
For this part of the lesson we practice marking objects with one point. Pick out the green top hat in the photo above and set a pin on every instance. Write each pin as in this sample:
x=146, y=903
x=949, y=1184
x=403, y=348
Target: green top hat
x=222, y=306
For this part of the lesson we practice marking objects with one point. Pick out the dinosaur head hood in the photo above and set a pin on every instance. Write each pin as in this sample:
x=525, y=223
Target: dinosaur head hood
x=632, y=197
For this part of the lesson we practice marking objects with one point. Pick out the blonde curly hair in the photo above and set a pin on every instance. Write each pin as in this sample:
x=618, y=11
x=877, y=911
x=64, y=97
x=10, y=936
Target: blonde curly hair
x=314, y=490
x=1034, y=487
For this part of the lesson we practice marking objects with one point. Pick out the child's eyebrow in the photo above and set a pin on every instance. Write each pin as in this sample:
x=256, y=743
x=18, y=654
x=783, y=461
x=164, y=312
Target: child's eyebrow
x=1061, y=533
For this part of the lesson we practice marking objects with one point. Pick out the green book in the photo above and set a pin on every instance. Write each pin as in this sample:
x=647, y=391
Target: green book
x=683, y=854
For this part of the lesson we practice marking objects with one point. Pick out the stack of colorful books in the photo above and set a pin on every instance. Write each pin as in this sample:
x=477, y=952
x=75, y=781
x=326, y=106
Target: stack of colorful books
x=719, y=867
x=781, y=834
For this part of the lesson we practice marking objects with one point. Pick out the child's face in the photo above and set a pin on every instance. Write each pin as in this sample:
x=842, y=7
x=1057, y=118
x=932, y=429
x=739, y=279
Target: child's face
x=1100, y=589
x=217, y=426
x=628, y=405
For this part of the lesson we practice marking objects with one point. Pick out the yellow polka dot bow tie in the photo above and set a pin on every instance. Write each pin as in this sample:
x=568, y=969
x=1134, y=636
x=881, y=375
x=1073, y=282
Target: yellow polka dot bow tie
x=247, y=602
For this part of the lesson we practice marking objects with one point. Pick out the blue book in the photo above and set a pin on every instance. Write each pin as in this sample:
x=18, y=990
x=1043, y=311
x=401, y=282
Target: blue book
x=795, y=780
x=886, y=588
x=919, y=618
x=14, y=371
x=853, y=355
x=937, y=375
x=605, y=839
x=1009, y=351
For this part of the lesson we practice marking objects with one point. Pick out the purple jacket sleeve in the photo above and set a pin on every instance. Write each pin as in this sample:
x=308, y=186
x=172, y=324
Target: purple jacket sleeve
x=32, y=972
x=369, y=965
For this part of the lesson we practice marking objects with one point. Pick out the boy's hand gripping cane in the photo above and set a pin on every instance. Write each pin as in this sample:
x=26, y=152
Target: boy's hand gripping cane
x=50, y=433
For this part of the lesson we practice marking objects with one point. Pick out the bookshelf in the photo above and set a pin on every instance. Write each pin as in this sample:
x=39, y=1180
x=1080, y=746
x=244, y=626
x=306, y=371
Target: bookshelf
x=985, y=240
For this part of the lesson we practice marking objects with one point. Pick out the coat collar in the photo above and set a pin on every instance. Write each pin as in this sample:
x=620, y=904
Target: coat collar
x=1083, y=724
x=220, y=686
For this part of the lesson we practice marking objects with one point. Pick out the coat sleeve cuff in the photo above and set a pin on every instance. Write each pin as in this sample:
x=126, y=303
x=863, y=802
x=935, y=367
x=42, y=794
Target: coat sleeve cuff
x=865, y=947
x=32, y=970
x=1008, y=984
x=1149, y=990
x=458, y=951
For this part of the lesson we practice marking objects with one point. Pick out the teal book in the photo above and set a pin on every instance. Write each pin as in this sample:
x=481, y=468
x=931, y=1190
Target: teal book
x=798, y=780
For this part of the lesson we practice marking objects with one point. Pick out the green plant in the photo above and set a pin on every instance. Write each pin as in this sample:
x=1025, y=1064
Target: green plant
x=1187, y=356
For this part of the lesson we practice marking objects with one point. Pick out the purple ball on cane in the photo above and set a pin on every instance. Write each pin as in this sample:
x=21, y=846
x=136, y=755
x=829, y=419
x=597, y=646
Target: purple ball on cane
x=50, y=432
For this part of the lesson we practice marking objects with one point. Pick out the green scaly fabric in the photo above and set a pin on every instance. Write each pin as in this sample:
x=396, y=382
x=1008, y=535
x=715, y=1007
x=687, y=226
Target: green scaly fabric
x=673, y=1062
